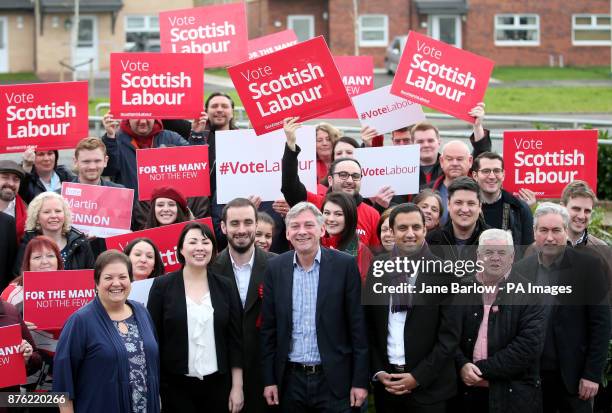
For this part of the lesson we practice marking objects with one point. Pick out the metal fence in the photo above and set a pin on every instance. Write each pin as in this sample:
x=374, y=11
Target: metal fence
x=528, y=122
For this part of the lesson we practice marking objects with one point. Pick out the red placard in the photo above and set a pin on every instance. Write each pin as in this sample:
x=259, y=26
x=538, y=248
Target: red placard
x=165, y=238
x=443, y=77
x=301, y=80
x=97, y=210
x=12, y=363
x=271, y=43
x=546, y=161
x=218, y=31
x=50, y=297
x=47, y=115
x=182, y=167
x=357, y=74
x=156, y=85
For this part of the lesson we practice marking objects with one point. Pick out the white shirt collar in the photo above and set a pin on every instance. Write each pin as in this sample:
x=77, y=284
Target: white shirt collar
x=236, y=266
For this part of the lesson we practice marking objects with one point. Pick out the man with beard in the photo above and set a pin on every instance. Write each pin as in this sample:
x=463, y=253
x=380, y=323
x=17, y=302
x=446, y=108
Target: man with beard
x=344, y=175
x=11, y=175
x=413, y=335
x=244, y=264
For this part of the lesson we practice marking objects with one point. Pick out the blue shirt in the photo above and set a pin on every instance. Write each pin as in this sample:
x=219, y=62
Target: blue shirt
x=304, y=347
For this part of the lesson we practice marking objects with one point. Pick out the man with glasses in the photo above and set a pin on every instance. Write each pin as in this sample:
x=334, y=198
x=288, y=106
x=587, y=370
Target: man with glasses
x=500, y=208
x=344, y=175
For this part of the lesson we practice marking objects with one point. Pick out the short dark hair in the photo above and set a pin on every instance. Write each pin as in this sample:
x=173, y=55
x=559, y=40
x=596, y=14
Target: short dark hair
x=332, y=167
x=206, y=231
x=487, y=155
x=463, y=183
x=158, y=266
x=577, y=189
x=109, y=257
x=405, y=208
x=349, y=208
x=237, y=203
x=344, y=139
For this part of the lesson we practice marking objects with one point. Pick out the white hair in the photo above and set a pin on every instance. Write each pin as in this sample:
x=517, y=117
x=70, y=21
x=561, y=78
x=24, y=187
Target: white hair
x=300, y=207
x=497, y=235
x=546, y=208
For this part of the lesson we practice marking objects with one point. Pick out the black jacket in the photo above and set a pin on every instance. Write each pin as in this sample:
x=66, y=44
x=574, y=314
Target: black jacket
x=340, y=323
x=518, y=219
x=431, y=331
x=79, y=256
x=168, y=308
x=251, y=355
x=8, y=249
x=580, y=320
x=443, y=243
x=32, y=185
x=515, y=340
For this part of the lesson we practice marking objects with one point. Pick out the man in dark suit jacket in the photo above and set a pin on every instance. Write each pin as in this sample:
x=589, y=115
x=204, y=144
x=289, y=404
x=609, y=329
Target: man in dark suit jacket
x=8, y=248
x=413, y=335
x=315, y=352
x=578, y=328
x=244, y=265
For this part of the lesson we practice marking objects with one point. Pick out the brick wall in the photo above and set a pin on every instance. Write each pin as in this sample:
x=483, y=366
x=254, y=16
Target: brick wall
x=555, y=32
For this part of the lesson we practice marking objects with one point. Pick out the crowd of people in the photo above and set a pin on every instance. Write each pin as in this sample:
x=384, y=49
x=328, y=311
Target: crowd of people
x=277, y=305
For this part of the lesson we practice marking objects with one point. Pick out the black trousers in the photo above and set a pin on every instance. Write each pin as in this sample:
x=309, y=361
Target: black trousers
x=182, y=394
x=390, y=403
x=303, y=392
x=556, y=398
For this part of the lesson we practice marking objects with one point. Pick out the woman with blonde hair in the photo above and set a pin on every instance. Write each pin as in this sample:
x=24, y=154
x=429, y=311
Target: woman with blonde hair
x=327, y=135
x=49, y=215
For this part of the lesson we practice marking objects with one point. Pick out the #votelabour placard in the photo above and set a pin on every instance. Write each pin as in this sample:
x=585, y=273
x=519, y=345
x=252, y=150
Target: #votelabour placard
x=395, y=166
x=357, y=73
x=218, y=31
x=156, y=85
x=301, y=80
x=381, y=110
x=271, y=43
x=441, y=76
x=46, y=115
x=12, y=363
x=546, y=161
x=251, y=165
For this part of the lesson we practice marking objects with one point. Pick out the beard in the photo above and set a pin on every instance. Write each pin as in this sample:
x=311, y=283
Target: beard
x=7, y=194
x=241, y=249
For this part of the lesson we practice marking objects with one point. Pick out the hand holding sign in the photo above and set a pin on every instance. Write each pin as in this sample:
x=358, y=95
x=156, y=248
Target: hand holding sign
x=367, y=135
x=26, y=349
x=110, y=125
x=478, y=113
x=198, y=125
x=290, y=125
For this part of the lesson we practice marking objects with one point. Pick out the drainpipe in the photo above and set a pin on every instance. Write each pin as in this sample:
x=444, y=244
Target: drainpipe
x=36, y=34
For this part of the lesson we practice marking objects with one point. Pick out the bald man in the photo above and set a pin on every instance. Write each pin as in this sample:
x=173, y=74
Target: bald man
x=455, y=161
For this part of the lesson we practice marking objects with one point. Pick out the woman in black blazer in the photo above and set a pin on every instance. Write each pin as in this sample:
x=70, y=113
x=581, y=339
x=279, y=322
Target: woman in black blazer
x=197, y=316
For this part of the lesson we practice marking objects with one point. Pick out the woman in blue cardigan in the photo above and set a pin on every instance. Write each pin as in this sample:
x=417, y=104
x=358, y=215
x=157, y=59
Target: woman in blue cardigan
x=107, y=358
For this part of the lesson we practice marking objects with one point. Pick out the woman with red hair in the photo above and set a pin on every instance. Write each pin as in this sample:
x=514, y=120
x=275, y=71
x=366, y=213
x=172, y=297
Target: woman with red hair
x=41, y=254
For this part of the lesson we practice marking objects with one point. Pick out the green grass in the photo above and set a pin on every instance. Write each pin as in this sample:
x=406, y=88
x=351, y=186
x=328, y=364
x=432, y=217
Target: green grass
x=549, y=100
x=18, y=77
x=217, y=72
x=513, y=74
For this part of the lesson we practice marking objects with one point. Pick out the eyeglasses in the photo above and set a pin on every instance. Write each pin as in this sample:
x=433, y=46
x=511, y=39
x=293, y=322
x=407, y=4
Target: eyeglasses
x=487, y=171
x=345, y=175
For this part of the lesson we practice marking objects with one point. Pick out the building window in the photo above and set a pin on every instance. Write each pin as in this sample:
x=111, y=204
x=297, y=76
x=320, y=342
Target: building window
x=517, y=30
x=142, y=34
x=373, y=30
x=591, y=30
